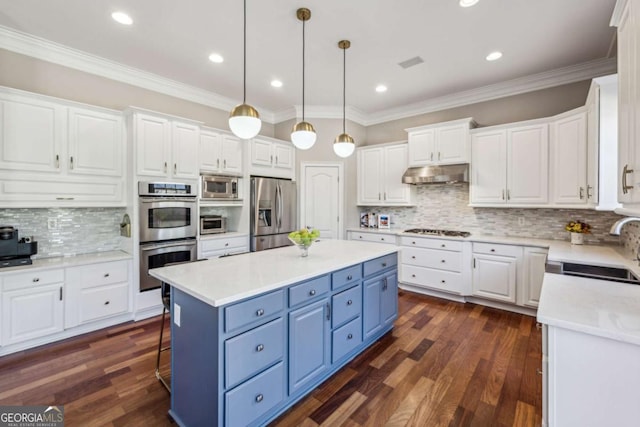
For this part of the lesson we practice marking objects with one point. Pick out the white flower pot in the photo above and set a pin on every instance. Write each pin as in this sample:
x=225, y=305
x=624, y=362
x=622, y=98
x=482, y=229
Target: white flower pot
x=577, y=238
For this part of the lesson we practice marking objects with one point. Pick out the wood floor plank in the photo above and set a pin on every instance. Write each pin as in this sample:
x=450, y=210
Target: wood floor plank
x=341, y=415
x=410, y=404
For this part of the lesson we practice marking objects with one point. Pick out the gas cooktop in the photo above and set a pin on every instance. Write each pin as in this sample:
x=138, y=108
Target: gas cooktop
x=432, y=232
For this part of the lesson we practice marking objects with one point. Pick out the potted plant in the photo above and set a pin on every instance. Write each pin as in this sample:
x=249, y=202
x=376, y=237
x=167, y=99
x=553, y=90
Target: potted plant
x=577, y=229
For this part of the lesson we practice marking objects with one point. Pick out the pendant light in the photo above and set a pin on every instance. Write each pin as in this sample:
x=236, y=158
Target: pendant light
x=303, y=135
x=344, y=144
x=244, y=120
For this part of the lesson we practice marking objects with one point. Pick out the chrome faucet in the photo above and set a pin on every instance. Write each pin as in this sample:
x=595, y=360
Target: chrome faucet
x=617, y=227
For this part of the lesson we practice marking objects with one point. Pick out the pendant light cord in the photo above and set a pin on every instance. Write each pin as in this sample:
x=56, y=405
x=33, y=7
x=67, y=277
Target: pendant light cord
x=303, y=43
x=344, y=88
x=244, y=60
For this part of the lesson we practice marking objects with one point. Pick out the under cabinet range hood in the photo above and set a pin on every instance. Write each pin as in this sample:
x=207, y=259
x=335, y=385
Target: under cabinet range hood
x=441, y=174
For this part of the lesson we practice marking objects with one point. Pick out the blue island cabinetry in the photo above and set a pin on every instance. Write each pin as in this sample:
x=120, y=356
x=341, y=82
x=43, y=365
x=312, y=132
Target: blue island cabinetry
x=245, y=363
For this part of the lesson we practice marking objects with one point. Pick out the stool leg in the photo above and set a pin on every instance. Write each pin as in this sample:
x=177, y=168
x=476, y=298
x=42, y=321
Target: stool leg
x=160, y=350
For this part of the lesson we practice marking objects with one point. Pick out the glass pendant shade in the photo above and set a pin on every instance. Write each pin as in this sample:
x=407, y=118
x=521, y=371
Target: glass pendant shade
x=244, y=121
x=344, y=145
x=303, y=135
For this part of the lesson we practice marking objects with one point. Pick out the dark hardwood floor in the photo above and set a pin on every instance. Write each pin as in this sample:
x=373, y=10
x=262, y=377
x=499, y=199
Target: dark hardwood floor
x=444, y=364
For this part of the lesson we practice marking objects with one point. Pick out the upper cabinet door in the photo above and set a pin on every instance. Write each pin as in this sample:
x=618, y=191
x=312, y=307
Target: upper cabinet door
x=370, y=176
x=528, y=165
x=153, y=141
x=422, y=147
x=396, y=160
x=261, y=153
x=231, y=154
x=185, y=141
x=95, y=143
x=489, y=167
x=210, y=148
x=453, y=144
x=569, y=160
x=32, y=134
x=282, y=156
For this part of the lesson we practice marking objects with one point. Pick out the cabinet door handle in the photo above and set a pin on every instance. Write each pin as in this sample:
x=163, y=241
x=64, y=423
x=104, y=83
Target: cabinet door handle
x=312, y=292
x=218, y=163
x=474, y=263
x=259, y=348
x=35, y=280
x=175, y=168
x=271, y=159
x=508, y=194
x=385, y=195
x=581, y=193
x=106, y=303
x=276, y=160
x=432, y=156
x=71, y=162
x=502, y=194
x=350, y=336
x=57, y=161
x=328, y=311
x=379, y=196
x=259, y=398
x=438, y=155
x=224, y=163
x=106, y=274
x=60, y=296
x=625, y=172
x=384, y=284
x=259, y=312
x=349, y=302
x=589, y=194
x=165, y=167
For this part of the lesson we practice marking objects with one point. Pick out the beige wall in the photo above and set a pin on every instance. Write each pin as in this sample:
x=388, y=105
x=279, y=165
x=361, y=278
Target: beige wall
x=526, y=106
x=33, y=75
x=322, y=151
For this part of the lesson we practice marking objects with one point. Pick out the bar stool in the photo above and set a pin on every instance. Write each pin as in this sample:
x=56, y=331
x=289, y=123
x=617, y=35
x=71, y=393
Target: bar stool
x=165, y=293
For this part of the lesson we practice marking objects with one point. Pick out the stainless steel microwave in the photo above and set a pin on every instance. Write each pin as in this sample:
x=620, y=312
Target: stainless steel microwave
x=219, y=187
x=212, y=224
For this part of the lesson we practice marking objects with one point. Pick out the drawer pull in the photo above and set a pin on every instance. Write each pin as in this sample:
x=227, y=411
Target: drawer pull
x=259, y=398
x=443, y=281
x=350, y=336
x=349, y=277
x=413, y=257
x=413, y=243
x=106, y=274
x=384, y=264
x=413, y=275
x=106, y=303
x=259, y=312
x=349, y=302
x=443, y=261
x=493, y=250
x=382, y=238
x=36, y=279
x=312, y=292
x=360, y=237
x=443, y=245
x=259, y=348
x=226, y=244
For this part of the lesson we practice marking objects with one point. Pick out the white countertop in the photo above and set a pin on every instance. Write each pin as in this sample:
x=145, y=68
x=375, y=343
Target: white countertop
x=225, y=280
x=71, y=261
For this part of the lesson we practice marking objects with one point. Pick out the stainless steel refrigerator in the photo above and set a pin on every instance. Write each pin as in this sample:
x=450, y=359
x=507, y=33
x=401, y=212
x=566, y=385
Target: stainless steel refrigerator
x=273, y=212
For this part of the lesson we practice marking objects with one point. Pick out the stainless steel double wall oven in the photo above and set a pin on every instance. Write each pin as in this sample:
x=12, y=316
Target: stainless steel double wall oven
x=168, y=227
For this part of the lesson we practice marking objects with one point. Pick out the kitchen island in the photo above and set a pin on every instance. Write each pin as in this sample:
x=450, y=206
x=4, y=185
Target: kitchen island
x=254, y=333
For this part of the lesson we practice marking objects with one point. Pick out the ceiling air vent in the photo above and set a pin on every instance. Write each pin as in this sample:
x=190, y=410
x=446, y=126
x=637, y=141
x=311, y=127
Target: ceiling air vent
x=411, y=62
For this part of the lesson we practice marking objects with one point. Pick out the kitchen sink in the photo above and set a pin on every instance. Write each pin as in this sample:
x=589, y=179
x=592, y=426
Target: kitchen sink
x=614, y=274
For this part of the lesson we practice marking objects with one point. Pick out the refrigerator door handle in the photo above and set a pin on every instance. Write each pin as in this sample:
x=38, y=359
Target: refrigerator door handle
x=280, y=206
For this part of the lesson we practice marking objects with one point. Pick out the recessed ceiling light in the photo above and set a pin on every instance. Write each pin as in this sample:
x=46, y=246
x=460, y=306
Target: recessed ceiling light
x=122, y=18
x=494, y=55
x=216, y=57
x=381, y=88
x=276, y=83
x=468, y=3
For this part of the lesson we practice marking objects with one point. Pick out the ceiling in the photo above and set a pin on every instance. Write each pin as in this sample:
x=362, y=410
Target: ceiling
x=173, y=39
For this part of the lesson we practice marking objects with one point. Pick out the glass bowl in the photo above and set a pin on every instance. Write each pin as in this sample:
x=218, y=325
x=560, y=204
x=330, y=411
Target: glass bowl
x=304, y=247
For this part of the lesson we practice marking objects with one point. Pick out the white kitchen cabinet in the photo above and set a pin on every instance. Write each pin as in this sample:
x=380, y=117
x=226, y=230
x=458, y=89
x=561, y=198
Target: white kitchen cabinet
x=509, y=165
x=95, y=292
x=533, y=266
x=220, y=153
x=626, y=17
x=32, y=305
x=380, y=170
x=272, y=157
x=372, y=236
x=166, y=148
x=593, y=143
x=568, y=158
x=495, y=271
x=440, y=143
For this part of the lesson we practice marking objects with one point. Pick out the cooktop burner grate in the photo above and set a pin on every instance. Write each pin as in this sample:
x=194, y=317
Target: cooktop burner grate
x=433, y=232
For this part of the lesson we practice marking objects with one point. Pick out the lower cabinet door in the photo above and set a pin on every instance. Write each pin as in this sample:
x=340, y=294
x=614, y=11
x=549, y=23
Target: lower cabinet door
x=371, y=315
x=346, y=338
x=31, y=313
x=389, y=299
x=254, y=398
x=308, y=343
x=494, y=277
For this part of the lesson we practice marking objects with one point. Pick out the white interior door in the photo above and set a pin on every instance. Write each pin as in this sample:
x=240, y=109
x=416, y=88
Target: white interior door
x=321, y=198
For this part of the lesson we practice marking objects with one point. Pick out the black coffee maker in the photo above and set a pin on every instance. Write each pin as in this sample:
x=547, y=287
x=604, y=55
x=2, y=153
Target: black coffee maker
x=14, y=251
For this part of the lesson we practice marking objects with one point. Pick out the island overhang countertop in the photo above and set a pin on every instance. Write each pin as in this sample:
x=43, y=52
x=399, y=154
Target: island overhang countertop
x=226, y=280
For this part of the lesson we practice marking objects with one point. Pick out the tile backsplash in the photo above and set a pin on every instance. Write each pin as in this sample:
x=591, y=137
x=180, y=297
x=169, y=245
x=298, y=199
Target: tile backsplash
x=445, y=207
x=67, y=231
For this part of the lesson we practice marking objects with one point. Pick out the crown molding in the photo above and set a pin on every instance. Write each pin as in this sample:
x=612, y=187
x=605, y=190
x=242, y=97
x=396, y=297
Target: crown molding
x=617, y=12
x=46, y=50
x=547, y=79
x=56, y=53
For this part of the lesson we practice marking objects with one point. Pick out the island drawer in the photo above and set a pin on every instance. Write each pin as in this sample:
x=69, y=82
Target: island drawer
x=376, y=265
x=252, y=351
x=425, y=242
x=308, y=290
x=433, y=258
x=247, y=312
x=346, y=276
x=346, y=338
x=249, y=401
x=497, y=249
x=30, y=279
x=346, y=305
